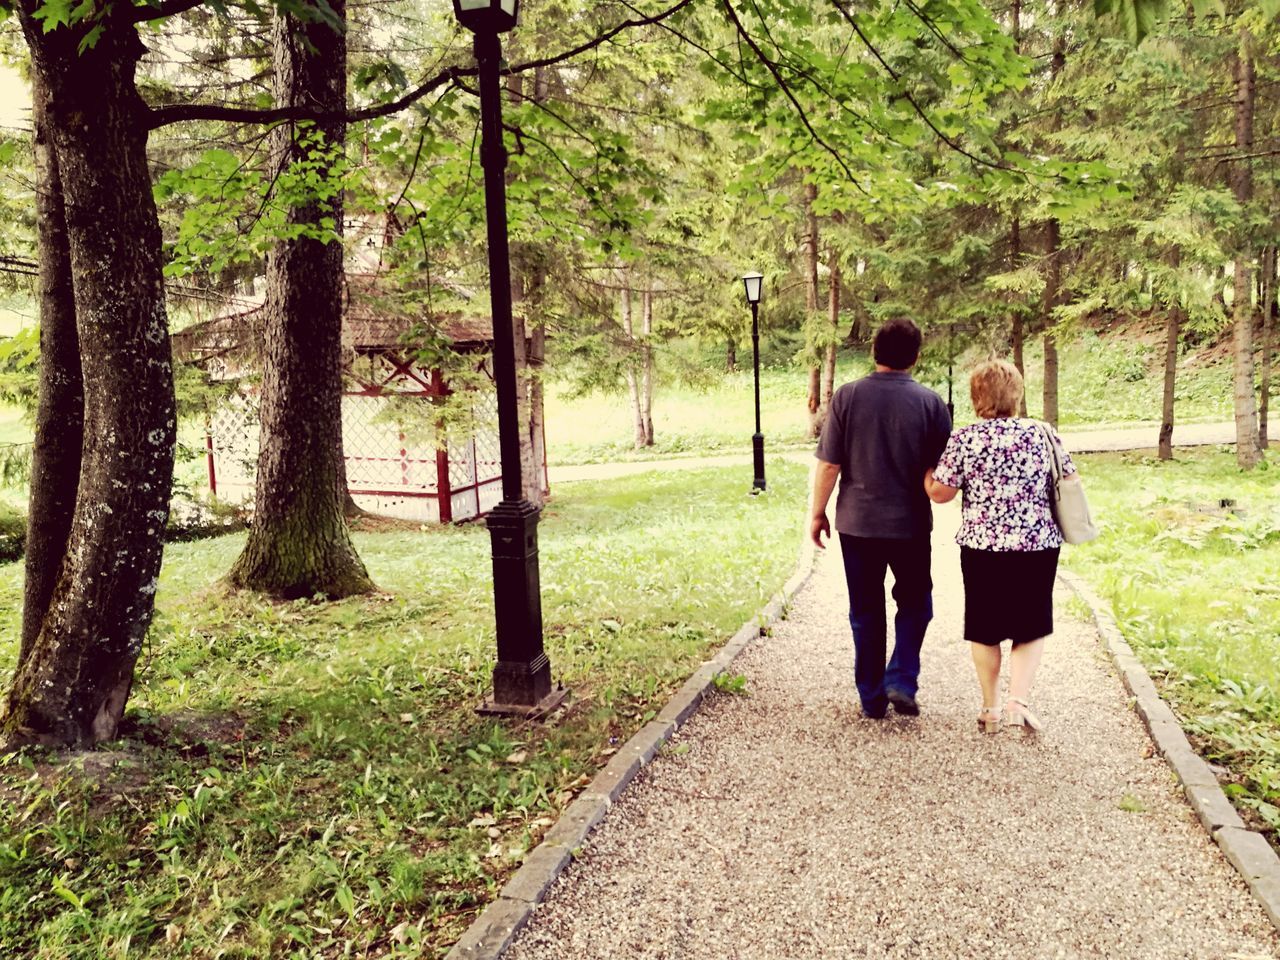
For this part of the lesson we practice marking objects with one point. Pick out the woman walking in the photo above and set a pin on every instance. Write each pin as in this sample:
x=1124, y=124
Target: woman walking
x=1008, y=539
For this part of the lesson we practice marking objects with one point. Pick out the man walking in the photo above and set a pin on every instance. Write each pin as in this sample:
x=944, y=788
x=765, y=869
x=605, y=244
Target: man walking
x=882, y=433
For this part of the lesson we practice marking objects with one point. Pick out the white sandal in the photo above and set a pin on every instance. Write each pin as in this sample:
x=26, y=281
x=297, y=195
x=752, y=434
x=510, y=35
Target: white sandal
x=1020, y=715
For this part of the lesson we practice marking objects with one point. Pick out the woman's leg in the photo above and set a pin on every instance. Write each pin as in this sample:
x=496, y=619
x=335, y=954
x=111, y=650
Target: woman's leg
x=1023, y=663
x=986, y=661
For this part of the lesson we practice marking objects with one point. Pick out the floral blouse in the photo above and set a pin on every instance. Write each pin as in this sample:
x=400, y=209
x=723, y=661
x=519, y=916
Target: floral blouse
x=1003, y=468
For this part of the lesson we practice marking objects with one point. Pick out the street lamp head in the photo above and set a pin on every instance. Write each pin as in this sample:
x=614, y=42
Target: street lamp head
x=487, y=16
x=753, y=283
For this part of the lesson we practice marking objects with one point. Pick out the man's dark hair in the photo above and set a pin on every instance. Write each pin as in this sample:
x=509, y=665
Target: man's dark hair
x=897, y=344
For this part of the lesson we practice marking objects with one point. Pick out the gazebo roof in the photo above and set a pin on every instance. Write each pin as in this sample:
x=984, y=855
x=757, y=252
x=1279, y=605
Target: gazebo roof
x=375, y=320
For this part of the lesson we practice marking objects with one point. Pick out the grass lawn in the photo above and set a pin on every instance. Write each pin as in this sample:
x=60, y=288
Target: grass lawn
x=1103, y=381
x=300, y=780
x=687, y=420
x=1195, y=591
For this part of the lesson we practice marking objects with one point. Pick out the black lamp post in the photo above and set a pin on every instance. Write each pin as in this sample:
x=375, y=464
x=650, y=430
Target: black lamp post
x=522, y=677
x=753, y=283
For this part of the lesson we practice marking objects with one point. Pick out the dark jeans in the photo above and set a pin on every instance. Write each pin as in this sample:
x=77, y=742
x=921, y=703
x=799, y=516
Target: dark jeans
x=865, y=562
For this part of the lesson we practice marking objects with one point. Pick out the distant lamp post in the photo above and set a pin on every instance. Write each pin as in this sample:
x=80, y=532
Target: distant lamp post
x=522, y=677
x=753, y=282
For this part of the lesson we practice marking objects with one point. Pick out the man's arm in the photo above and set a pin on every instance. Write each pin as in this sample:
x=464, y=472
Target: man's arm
x=824, y=481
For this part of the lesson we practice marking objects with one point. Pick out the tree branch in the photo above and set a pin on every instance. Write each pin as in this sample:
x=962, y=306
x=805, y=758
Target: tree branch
x=163, y=116
x=915, y=105
x=19, y=265
x=777, y=77
x=165, y=8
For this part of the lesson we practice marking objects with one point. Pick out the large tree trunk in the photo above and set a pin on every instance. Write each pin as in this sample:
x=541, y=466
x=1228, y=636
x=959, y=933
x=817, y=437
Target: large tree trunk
x=1247, y=454
x=59, y=427
x=1268, y=347
x=731, y=356
x=1172, y=332
x=646, y=363
x=811, y=305
x=72, y=686
x=299, y=544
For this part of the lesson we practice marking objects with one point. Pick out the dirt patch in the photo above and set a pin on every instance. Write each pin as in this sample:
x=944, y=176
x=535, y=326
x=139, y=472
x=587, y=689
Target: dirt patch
x=192, y=727
x=373, y=523
x=98, y=772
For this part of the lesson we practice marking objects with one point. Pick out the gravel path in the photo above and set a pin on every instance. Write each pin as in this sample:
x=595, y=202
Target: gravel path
x=1077, y=441
x=783, y=825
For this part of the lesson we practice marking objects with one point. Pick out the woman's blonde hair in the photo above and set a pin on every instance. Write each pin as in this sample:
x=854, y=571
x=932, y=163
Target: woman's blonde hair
x=996, y=388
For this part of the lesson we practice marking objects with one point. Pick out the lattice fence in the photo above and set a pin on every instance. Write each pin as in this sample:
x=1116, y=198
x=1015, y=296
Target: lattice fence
x=389, y=472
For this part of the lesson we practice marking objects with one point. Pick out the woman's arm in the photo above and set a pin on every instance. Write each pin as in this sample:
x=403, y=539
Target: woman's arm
x=938, y=492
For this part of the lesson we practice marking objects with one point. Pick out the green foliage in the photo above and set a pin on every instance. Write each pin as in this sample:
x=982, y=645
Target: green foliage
x=13, y=533
x=732, y=684
x=19, y=365
x=1192, y=585
x=299, y=779
x=231, y=215
x=1136, y=19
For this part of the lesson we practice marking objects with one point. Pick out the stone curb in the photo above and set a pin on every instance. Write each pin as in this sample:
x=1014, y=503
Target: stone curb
x=492, y=932
x=1248, y=851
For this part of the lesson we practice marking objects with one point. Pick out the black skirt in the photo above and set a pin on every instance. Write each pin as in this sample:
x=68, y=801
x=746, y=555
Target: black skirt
x=1008, y=595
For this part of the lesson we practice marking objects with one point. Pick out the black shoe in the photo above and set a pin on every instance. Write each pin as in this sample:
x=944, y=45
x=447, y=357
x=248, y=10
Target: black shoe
x=870, y=714
x=904, y=703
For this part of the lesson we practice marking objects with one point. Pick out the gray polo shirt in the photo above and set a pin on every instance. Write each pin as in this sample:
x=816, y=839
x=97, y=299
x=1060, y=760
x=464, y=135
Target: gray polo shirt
x=884, y=431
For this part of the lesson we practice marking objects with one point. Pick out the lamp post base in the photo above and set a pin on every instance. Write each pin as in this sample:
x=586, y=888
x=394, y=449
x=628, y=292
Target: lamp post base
x=493, y=708
x=757, y=451
x=522, y=676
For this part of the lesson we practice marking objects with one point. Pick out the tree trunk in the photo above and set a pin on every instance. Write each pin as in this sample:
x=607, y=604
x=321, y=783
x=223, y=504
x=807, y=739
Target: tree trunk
x=1247, y=454
x=646, y=363
x=1172, y=331
x=350, y=509
x=811, y=306
x=629, y=368
x=1053, y=278
x=527, y=279
x=538, y=345
x=829, y=357
x=731, y=356
x=299, y=544
x=1053, y=271
x=59, y=427
x=72, y=686
x=1268, y=324
x=1017, y=329
x=536, y=488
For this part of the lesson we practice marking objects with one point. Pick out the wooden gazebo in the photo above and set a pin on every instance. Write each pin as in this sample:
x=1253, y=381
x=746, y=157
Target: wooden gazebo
x=415, y=471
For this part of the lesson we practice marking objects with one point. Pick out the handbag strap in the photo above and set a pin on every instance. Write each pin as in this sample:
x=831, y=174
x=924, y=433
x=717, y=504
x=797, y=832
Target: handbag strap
x=1055, y=461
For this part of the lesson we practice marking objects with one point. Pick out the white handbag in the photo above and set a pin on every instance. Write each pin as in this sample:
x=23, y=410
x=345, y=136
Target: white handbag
x=1066, y=497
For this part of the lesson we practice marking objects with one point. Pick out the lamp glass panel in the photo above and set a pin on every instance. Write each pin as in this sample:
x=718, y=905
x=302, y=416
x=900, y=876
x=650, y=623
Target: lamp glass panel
x=509, y=7
x=752, y=282
x=474, y=4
